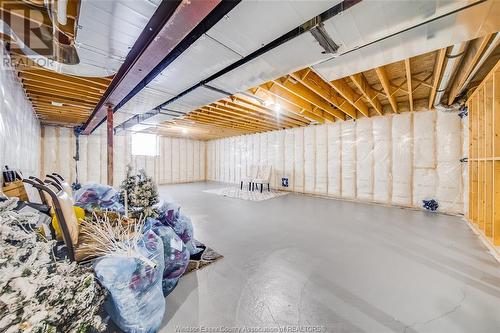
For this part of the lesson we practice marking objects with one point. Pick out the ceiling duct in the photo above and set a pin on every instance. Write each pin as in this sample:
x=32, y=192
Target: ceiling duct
x=494, y=43
x=454, y=59
x=324, y=39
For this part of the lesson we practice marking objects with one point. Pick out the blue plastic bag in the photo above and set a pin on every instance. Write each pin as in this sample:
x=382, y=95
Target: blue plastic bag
x=134, y=282
x=171, y=216
x=97, y=196
x=176, y=255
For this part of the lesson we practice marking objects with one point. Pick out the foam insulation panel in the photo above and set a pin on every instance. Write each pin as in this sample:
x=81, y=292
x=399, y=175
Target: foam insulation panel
x=289, y=159
x=424, y=157
x=424, y=127
x=279, y=159
x=382, y=159
x=194, y=99
x=59, y=147
x=348, y=133
x=321, y=158
x=202, y=59
x=402, y=158
x=334, y=159
x=364, y=159
x=299, y=159
x=370, y=159
x=19, y=127
x=305, y=49
x=449, y=168
x=309, y=159
x=241, y=32
x=358, y=26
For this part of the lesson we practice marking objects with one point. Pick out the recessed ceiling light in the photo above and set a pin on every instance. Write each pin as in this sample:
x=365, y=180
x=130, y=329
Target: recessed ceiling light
x=184, y=131
x=56, y=103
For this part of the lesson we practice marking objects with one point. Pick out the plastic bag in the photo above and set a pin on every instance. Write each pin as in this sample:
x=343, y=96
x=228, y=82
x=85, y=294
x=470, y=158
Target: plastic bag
x=176, y=255
x=135, y=303
x=97, y=196
x=171, y=216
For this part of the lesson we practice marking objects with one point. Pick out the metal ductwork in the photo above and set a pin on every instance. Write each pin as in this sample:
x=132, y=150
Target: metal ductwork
x=454, y=59
x=494, y=43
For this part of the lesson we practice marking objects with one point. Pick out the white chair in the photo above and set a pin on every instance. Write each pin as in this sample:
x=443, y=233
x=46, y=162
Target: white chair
x=264, y=177
x=254, y=171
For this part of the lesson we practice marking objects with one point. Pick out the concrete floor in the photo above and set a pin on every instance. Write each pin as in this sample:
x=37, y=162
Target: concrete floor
x=347, y=267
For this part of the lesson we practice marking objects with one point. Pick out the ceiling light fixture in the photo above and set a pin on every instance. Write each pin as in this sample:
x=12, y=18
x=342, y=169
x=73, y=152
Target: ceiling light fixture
x=184, y=131
x=277, y=107
x=56, y=103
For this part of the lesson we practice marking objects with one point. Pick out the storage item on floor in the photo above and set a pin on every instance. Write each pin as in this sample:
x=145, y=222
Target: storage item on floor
x=134, y=282
x=176, y=255
x=15, y=189
x=97, y=196
x=171, y=216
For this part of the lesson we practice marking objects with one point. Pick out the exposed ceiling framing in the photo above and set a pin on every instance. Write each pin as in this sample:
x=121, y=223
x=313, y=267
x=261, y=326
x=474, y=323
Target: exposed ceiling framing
x=47, y=90
x=304, y=97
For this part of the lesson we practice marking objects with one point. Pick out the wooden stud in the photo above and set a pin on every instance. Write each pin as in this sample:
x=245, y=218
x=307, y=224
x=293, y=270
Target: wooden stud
x=438, y=67
x=316, y=84
x=302, y=92
x=346, y=91
x=384, y=80
x=367, y=91
x=408, y=82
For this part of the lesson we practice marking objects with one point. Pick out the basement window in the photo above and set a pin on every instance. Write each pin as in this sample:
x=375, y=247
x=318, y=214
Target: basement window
x=144, y=144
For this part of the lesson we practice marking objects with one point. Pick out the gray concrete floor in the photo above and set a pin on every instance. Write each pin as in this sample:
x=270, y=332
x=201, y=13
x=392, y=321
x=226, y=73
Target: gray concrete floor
x=347, y=267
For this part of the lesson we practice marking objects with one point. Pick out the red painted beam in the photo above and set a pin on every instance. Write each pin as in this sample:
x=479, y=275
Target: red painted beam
x=110, y=145
x=170, y=24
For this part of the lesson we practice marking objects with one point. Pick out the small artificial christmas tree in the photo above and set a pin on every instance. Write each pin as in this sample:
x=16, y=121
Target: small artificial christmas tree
x=142, y=195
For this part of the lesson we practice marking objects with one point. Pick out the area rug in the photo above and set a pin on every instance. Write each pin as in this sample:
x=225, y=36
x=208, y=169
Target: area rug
x=236, y=192
x=203, y=258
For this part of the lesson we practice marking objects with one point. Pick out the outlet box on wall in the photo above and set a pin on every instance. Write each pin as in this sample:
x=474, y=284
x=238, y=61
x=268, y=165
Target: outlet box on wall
x=284, y=182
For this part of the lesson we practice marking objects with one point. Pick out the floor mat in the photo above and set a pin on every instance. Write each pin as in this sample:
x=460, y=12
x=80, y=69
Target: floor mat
x=203, y=258
x=236, y=192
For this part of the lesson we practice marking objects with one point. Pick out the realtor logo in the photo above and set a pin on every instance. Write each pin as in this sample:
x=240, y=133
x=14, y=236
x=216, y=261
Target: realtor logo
x=34, y=31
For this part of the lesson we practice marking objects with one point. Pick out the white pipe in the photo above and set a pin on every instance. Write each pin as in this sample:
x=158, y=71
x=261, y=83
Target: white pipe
x=454, y=59
x=488, y=51
x=62, y=16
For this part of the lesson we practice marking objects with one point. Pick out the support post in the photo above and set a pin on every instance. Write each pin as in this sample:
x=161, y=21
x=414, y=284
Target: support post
x=110, y=144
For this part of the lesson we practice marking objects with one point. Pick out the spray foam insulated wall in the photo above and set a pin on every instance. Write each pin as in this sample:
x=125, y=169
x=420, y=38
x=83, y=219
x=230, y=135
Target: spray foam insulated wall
x=397, y=159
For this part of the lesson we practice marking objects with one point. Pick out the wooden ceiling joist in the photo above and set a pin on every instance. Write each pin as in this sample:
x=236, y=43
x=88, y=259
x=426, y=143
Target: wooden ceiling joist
x=235, y=116
x=293, y=117
x=408, y=82
x=264, y=94
x=302, y=92
x=438, y=68
x=370, y=94
x=316, y=84
x=343, y=89
x=251, y=115
x=386, y=85
x=215, y=114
